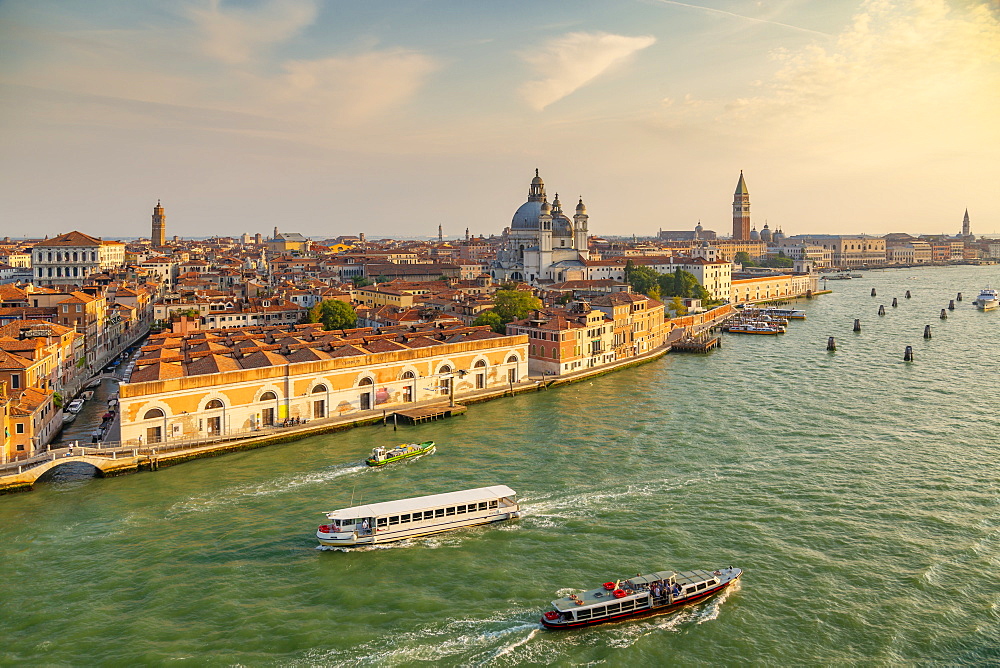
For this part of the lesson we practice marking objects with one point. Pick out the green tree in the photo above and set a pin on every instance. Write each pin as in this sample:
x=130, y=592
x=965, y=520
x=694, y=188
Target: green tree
x=513, y=305
x=334, y=314
x=565, y=298
x=744, y=258
x=491, y=320
x=642, y=279
x=779, y=261
x=361, y=281
x=678, y=307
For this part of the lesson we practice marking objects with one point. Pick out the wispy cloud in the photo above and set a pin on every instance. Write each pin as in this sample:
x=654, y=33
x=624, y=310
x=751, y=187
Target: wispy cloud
x=752, y=19
x=235, y=34
x=899, y=78
x=353, y=89
x=569, y=62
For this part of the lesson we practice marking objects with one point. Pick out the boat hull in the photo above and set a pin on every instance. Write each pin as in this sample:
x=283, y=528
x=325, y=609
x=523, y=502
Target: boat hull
x=634, y=614
x=352, y=540
x=409, y=455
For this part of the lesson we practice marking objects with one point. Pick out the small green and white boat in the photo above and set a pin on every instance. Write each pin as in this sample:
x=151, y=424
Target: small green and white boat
x=381, y=456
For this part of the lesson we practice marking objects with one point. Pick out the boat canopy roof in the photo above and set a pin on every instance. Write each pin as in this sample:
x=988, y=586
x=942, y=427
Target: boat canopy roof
x=421, y=502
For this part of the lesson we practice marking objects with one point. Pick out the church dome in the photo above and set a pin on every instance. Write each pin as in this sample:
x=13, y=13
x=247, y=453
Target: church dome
x=526, y=216
x=561, y=226
x=754, y=235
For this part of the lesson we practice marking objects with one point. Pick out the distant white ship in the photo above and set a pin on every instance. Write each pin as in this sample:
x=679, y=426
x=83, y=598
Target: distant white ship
x=987, y=299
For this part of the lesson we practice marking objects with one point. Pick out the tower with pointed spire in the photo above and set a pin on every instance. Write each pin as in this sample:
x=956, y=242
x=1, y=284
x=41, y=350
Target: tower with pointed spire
x=741, y=211
x=159, y=233
x=966, y=230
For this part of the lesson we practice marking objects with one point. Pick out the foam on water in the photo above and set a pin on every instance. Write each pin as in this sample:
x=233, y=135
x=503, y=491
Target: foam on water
x=281, y=485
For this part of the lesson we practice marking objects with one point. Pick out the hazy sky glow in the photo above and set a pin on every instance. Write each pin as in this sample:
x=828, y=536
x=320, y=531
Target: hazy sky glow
x=333, y=118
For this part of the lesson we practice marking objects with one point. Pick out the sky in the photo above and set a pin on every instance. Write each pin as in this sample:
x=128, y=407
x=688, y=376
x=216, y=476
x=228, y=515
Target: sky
x=393, y=117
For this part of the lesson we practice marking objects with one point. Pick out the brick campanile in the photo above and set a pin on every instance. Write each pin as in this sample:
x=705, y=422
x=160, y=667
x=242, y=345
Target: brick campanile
x=741, y=211
x=159, y=235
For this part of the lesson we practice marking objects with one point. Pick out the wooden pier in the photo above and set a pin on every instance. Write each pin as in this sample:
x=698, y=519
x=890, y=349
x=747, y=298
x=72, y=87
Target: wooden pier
x=426, y=413
x=700, y=344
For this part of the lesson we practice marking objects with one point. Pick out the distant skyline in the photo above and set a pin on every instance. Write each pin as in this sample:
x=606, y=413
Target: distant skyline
x=392, y=118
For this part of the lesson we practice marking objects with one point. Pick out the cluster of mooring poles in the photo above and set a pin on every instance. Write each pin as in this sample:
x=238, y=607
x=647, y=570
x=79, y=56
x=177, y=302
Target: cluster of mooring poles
x=831, y=343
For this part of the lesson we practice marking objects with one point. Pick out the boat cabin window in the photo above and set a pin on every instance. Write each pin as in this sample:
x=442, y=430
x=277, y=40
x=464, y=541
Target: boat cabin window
x=482, y=506
x=450, y=511
x=439, y=512
x=460, y=510
x=381, y=522
x=493, y=504
x=404, y=518
x=428, y=514
x=394, y=520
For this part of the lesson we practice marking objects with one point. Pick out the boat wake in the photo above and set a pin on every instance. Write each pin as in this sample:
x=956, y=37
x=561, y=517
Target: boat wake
x=502, y=638
x=240, y=493
x=582, y=505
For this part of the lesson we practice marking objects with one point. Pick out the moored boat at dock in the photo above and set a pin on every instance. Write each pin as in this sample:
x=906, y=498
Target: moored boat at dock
x=790, y=313
x=382, y=456
x=640, y=596
x=420, y=516
x=755, y=328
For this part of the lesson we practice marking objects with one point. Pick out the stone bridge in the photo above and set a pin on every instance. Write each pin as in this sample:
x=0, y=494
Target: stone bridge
x=22, y=477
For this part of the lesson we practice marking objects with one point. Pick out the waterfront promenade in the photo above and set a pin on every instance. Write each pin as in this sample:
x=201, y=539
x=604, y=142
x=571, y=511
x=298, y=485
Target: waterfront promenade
x=112, y=458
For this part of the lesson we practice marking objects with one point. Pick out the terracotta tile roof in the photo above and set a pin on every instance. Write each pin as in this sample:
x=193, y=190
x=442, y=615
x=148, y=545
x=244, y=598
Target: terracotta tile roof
x=73, y=238
x=212, y=364
x=10, y=361
x=347, y=351
x=262, y=358
x=307, y=355
x=421, y=342
x=157, y=371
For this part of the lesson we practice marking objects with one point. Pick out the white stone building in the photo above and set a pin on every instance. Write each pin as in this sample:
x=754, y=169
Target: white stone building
x=70, y=258
x=541, y=235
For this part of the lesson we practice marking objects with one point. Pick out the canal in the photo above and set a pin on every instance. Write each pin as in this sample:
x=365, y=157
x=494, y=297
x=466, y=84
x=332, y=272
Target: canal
x=858, y=492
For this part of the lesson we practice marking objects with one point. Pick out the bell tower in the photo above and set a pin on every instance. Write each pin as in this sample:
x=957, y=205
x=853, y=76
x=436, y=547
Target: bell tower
x=741, y=211
x=580, y=229
x=159, y=233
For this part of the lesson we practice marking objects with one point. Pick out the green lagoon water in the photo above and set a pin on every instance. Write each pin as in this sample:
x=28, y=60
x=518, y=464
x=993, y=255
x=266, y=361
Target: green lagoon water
x=858, y=492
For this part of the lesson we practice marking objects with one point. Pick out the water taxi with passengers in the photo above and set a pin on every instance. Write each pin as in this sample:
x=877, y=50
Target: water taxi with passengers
x=640, y=596
x=382, y=456
x=420, y=516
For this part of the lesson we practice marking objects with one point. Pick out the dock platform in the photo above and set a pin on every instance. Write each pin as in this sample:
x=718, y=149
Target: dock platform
x=696, y=345
x=426, y=413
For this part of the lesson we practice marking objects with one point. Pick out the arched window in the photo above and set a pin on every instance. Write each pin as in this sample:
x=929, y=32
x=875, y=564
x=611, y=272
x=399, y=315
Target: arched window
x=445, y=382
x=512, y=359
x=318, y=389
x=268, y=396
x=480, y=367
x=365, y=381
x=214, y=403
x=408, y=388
x=153, y=413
